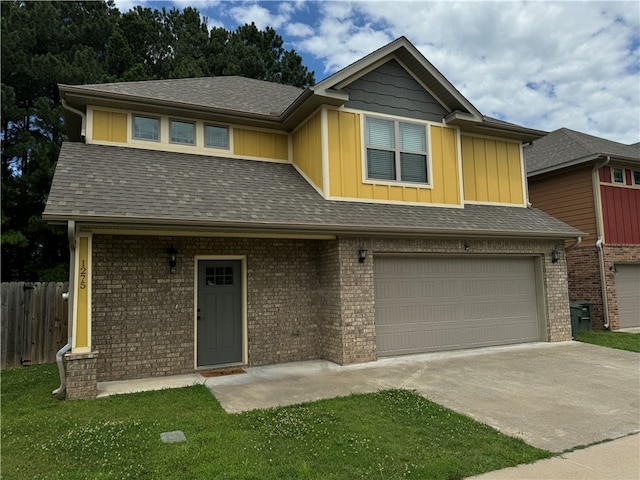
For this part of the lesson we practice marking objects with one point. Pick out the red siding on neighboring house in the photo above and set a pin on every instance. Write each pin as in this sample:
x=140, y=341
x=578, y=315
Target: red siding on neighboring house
x=605, y=174
x=621, y=214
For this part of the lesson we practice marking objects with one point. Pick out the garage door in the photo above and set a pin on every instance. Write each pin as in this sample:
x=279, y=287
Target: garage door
x=430, y=304
x=628, y=295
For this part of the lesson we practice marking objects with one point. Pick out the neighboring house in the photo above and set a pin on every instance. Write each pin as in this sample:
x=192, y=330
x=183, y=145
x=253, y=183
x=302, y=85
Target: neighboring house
x=594, y=185
x=229, y=221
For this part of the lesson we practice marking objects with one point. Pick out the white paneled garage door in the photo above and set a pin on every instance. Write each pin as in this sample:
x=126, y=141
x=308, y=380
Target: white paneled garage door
x=445, y=303
x=628, y=295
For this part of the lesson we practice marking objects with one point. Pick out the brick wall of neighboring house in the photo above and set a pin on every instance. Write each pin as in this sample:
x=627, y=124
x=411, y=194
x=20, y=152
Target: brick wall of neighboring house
x=614, y=254
x=584, y=280
x=306, y=299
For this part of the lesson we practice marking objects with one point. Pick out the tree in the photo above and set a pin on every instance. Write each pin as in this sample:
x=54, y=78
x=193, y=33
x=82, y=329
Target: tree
x=43, y=43
x=48, y=42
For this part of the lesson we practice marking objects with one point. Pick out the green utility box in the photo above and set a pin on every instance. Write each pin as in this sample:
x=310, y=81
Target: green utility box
x=580, y=317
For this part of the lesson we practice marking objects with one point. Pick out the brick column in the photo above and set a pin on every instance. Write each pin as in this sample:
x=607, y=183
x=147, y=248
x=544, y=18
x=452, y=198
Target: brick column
x=81, y=375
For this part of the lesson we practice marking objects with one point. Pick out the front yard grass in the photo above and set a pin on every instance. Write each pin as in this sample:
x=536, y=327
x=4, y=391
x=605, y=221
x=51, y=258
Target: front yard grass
x=386, y=435
x=619, y=340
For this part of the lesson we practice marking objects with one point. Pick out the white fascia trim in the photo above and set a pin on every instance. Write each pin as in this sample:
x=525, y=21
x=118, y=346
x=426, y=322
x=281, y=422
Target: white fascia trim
x=495, y=204
x=308, y=180
x=324, y=145
x=393, y=202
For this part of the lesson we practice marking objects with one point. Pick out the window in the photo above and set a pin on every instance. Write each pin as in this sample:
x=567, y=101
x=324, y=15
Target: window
x=636, y=177
x=216, y=136
x=146, y=128
x=618, y=175
x=396, y=151
x=219, y=276
x=183, y=132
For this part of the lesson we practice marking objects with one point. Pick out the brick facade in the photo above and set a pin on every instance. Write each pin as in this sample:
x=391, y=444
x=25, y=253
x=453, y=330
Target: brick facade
x=615, y=254
x=584, y=280
x=81, y=373
x=306, y=299
x=583, y=269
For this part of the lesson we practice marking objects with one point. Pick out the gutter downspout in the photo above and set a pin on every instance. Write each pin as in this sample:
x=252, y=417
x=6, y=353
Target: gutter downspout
x=600, y=242
x=83, y=116
x=71, y=233
x=575, y=244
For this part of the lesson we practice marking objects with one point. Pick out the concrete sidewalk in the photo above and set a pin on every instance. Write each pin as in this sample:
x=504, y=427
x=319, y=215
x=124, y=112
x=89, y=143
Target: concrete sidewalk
x=617, y=459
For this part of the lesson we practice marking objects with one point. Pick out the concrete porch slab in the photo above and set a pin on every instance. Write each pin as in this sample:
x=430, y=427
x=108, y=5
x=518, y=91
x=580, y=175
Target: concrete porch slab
x=148, y=384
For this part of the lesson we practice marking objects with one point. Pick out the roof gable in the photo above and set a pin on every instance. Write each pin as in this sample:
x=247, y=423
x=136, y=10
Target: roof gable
x=414, y=62
x=390, y=89
x=564, y=147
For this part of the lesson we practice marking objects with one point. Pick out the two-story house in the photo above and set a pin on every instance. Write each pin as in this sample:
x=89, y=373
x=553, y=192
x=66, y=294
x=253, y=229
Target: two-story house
x=594, y=184
x=230, y=221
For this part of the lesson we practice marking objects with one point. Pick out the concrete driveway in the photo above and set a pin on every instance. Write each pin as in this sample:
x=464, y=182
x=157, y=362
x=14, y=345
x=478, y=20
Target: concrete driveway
x=553, y=396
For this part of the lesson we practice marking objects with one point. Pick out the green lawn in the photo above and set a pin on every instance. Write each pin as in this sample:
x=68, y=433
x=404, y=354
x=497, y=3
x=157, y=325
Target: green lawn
x=619, y=340
x=387, y=435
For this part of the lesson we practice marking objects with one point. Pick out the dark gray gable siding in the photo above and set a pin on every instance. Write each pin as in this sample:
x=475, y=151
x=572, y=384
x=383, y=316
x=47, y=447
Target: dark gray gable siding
x=390, y=89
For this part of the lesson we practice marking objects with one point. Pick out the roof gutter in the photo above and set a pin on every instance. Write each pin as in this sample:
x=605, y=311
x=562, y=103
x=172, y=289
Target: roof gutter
x=267, y=228
x=600, y=242
x=83, y=129
x=85, y=96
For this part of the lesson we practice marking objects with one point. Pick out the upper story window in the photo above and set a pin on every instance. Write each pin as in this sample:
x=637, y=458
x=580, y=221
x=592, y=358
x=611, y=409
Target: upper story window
x=636, y=177
x=216, y=136
x=183, y=132
x=146, y=128
x=396, y=151
x=618, y=175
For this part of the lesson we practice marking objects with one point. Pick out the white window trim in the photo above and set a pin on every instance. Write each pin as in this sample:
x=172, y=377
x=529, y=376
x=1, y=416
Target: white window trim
x=397, y=119
x=633, y=178
x=133, y=128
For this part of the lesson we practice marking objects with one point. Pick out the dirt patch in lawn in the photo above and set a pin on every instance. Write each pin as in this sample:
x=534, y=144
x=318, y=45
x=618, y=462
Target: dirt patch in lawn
x=220, y=372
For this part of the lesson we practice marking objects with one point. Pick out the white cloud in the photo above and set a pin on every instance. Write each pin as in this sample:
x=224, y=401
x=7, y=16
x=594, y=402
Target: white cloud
x=262, y=17
x=298, y=29
x=541, y=64
x=545, y=65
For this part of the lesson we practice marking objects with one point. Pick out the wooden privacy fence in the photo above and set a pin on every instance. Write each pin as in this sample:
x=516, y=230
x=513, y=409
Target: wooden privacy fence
x=34, y=323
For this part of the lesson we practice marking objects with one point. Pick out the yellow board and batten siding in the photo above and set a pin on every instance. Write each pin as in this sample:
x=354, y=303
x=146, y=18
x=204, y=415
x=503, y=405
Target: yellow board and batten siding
x=307, y=150
x=109, y=126
x=82, y=316
x=259, y=144
x=346, y=166
x=492, y=171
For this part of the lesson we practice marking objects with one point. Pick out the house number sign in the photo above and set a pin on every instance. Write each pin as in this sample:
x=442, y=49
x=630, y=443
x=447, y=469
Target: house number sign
x=83, y=275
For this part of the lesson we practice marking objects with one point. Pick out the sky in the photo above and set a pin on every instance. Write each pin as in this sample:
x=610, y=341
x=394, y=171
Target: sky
x=540, y=64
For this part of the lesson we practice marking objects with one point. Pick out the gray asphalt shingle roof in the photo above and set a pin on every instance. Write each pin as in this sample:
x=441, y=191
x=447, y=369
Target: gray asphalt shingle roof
x=233, y=93
x=565, y=146
x=117, y=184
